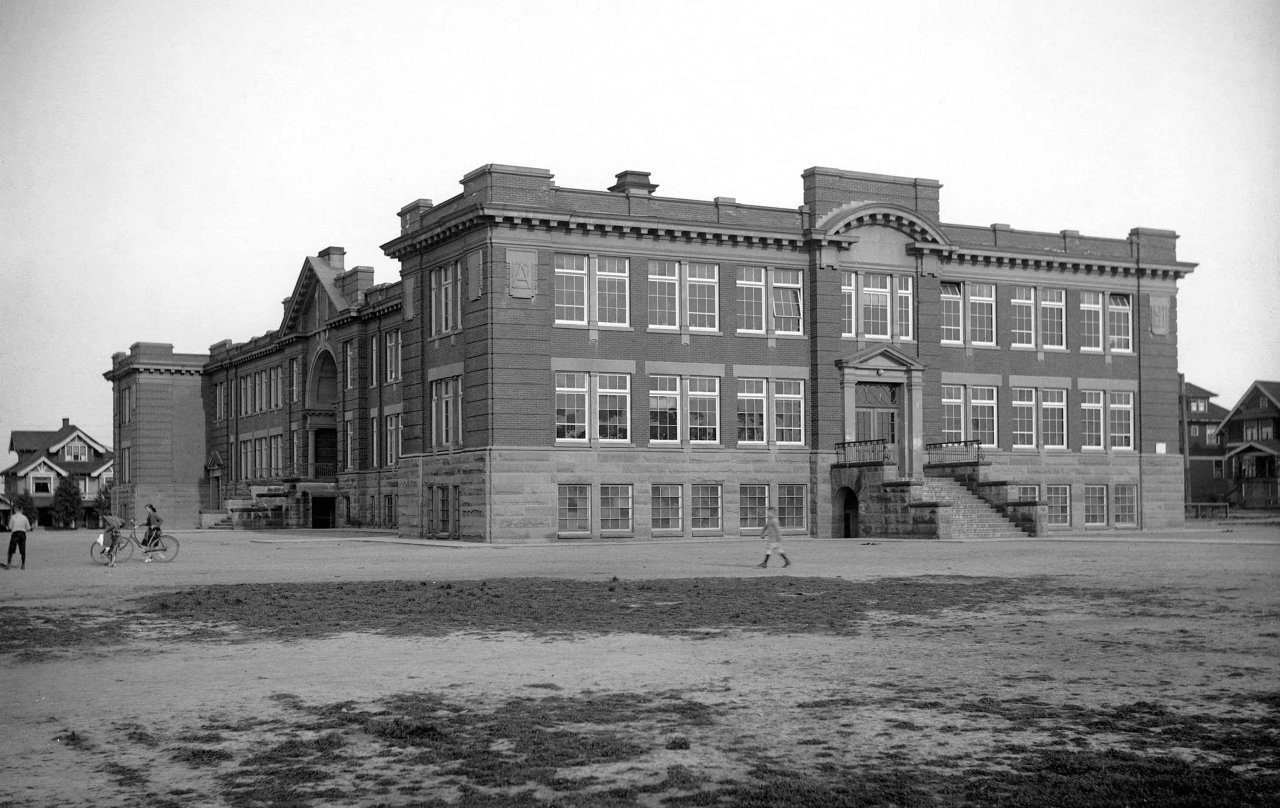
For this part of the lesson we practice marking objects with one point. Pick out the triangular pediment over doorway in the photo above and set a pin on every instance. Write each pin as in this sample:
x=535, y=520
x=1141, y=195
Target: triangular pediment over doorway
x=880, y=357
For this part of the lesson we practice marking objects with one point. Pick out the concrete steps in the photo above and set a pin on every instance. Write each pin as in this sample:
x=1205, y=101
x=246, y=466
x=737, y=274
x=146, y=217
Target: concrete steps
x=971, y=517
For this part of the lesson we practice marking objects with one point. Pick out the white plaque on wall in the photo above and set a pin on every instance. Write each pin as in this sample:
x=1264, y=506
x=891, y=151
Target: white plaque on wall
x=522, y=273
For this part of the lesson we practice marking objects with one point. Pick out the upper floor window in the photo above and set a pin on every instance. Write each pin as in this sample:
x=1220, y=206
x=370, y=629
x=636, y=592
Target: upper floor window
x=664, y=294
x=969, y=413
x=349, y=363
x=76, y=452
x=700, y=284
x=220, y=401
x=781, y=288
x=571, y=288
x=1119, y=323
x=1053, y=315
x=392, y=442
x=771, y=411
x=952, y=304
x=609, y=418
x=613, y=291
x=391, y=354
x=1106, y=419
x=1022, y=308
x=446, y=299
x=373, y=360
x=608, y=276
x=982, y=314
x=877, y=305
x=295, y=381
x=702, y=289
x=1199, y=405
x=446, y=411
x=1091, y=321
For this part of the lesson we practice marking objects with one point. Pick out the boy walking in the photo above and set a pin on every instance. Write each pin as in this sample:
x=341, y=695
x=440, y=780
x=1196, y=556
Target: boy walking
x=773, y=538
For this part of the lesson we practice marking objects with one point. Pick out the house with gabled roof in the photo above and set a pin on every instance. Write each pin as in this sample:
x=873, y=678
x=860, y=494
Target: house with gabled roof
x=45, y=457
x=1251, y=433
x=1203, y=451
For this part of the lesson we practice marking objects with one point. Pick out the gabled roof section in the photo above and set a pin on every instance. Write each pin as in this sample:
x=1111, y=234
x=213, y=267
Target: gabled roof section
x=316, y=272
x=1269, y=389
x=1271, y=447
x=1194, y=391
x=103, y=469
x=49, y=441
x=76, y=432
x=35, y=463
x=885, y=356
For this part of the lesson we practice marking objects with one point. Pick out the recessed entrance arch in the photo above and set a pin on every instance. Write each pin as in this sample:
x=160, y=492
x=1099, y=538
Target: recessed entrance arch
x=846, y=505
x=322, y=391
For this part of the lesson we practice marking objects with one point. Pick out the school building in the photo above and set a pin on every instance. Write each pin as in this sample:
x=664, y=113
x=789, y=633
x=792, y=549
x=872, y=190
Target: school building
x=558, y=364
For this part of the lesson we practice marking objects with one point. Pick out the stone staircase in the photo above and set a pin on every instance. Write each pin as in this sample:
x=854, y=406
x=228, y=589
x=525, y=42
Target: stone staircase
x=971, y=516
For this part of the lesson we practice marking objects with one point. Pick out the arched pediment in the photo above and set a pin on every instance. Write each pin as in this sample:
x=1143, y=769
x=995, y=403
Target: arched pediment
x=911, y=223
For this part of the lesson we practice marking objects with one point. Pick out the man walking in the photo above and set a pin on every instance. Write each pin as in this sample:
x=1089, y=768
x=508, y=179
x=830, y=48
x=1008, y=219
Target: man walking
x=773, y=538
x=18, y=527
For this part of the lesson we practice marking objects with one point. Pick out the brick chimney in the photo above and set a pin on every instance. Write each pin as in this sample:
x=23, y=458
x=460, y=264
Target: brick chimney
x=636, y=182
x=66, y=422
x=333, y=256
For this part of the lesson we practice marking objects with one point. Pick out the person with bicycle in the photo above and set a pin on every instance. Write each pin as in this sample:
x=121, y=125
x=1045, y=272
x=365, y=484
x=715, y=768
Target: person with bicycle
x=110, y=536
x=153, y=527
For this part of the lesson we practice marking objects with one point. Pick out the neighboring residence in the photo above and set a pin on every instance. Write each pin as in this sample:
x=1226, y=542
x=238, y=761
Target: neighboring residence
x=44, y=458
x=1202, y=448
x=559, y=364
x=1251, y=432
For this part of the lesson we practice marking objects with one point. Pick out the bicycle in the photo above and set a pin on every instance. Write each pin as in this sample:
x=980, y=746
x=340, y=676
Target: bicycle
x=164, y=548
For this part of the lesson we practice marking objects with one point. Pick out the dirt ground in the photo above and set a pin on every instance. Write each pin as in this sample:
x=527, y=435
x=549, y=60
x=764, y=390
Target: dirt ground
x=356, y=669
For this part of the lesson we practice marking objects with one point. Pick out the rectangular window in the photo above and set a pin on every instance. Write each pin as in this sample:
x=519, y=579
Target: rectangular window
x=664, y=409
x=1091, y=321
x=1053, y=418
x=295, y=377
x=391, y=352
x=613, y=406
x=704, y=409
x=982, y=415
x=787, y=317
x=1119, y=323
x=389, y=509
x=1029, y=493
x=349, y=445
x=373, y=360
x=573, y=508
x=613, y=285
x=751, y=410
x=664, y=298
x=875, y=306
x=277, y=455
x=1059, y=499
x=952, y=313
x=788, y=411
x=1053, y=314
x=446, y=299
x=792, y=505
x=706, y=506
x=446, y=411
x=1218, y=470
x=41, y=484
x=702, y=291
x=1095, y=505
x=1023, y=315
x=571, y=406
x=1091, y=419
x=277, y=388
x=220, y=401
x=1124, y=505
x=392, y=442
x=906, y=309
x=571, y=289
x=848, y=290
x=982, y=314
x=751, y=299
x=752, y=502
x=952, y=413
x=349, y=363
x=1024, y=417
x=373, y=441
x=1120, y=420
x=76, y=452
x=666, y=511
x=615, y=508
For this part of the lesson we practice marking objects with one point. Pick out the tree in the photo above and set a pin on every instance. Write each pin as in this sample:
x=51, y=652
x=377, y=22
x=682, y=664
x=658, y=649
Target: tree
x=67, y=504
x=102, y=503
x=25, y=503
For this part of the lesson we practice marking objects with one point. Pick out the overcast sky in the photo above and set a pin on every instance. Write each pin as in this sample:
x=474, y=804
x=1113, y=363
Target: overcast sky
x=166, y=166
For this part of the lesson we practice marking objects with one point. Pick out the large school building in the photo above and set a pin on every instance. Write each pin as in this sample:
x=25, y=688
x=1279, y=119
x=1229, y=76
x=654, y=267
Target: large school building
x=560, y=364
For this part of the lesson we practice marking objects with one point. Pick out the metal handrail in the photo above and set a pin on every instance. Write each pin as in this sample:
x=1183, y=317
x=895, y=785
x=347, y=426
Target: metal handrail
x=955, y=451
x=850, y=452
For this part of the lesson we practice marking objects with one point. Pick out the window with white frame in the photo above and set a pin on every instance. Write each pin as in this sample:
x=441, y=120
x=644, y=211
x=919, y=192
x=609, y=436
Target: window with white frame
x=1124, y=505
x=76, y=451
x=349, y=445
x=373, y=360
x=41, y=484
x=446, y=411
x=295, y=380
x=849, y=293
x=906, y=308
x=752, y=400
x=1120, y=419
x=952, y=413
x=702, y=291
x=664, y=409
x=571, y=289
x=615, y=508
x=613, y=406
x=982, y=415
x=1091, y=321
x=751, y=297
x=1029, y=493
x=1053, y=418
x=349, y=363
x=391, y=443
x=784, y=293
x=666, y=511
x=1024, y=417
x=220, y=401
x=1095, y=505
x=704, y=409
x=952, y=313
x=1058, y=498
x=1053, y=315
x=571, y=406
x=793, y=503
x=664, y=294
x=1023, y=317
x=391, y=355
x=373, y=441
x=875, y=305
x=277, y=455
x=788, y=411
x=753, y=500
x=613, y=291
x=705, y=506
x=1091, y=409
x=573, y=506
x=446, y=298
x=1119, y=323
x=982, y=313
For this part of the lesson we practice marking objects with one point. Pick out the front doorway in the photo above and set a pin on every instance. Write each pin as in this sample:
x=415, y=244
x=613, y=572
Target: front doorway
x=847, y=501
x=877, y=415
x=324, y=512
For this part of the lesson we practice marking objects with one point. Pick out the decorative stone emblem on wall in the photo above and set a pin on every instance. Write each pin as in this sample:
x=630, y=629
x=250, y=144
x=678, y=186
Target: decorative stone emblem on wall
x=1160, y=315
x=522, y=273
